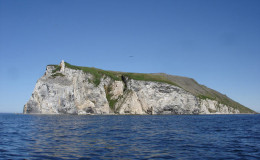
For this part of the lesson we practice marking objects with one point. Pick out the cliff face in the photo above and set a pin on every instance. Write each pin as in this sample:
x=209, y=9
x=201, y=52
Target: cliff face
x=66, y=90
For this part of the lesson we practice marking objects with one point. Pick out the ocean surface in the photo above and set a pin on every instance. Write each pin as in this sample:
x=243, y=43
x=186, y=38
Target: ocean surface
x=129, y=137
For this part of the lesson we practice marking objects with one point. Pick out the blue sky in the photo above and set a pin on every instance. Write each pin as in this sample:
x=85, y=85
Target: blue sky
x=216, y=42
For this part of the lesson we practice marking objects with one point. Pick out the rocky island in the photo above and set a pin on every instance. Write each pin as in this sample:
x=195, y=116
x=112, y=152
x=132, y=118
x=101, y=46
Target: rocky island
x=69, y=89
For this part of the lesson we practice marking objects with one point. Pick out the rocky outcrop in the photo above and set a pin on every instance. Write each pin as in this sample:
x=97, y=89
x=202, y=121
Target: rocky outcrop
x=64, y=90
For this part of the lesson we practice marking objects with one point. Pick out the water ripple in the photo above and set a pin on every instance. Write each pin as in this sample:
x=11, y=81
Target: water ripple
x=129, y=137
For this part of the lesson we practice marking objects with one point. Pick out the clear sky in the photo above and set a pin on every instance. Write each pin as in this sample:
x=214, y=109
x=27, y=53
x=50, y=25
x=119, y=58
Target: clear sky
x=216, y=42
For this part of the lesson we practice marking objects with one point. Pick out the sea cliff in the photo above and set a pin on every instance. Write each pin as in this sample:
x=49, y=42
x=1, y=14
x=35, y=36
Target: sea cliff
x=68, y=89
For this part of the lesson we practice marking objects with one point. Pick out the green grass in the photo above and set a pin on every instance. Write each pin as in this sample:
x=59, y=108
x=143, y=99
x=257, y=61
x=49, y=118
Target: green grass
x=57, y=74
x=111, y=102
x=206, y=97
x=57, y=68
x=223, y=99
x=98, y=73
x=241, y=108
x=148, y=77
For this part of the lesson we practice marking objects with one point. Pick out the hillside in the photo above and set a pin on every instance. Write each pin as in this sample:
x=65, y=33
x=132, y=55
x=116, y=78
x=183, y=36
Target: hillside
x=70, y=89
x=204, y=92
x=187, y=84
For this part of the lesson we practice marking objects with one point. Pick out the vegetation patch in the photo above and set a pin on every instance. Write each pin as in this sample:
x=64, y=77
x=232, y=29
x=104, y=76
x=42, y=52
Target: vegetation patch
x=57, y=68
x=148, y=77
x=57, y=74
x=206, y=97
x=223, y=99
x=111, y=102
x=235, y=105
x=97, y=73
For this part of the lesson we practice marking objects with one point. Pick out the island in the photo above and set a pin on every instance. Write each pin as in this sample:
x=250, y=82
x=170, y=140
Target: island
x=70, y=89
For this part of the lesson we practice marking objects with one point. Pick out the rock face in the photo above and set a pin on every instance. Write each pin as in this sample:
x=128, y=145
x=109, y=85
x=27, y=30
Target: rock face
x=63, y=90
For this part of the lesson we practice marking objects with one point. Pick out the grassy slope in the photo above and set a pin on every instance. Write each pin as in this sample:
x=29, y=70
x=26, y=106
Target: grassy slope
x=204, y=92
x=188, y=84
x=98, y=73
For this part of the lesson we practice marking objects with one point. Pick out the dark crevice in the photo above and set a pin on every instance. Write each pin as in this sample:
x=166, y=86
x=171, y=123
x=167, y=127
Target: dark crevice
x=123, y=78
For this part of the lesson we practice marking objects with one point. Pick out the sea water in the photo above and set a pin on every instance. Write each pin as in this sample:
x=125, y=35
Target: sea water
x=129, y=137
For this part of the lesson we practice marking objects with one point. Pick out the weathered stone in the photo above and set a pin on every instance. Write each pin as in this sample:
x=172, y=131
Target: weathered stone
x=117, y=89
x=62, y=65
